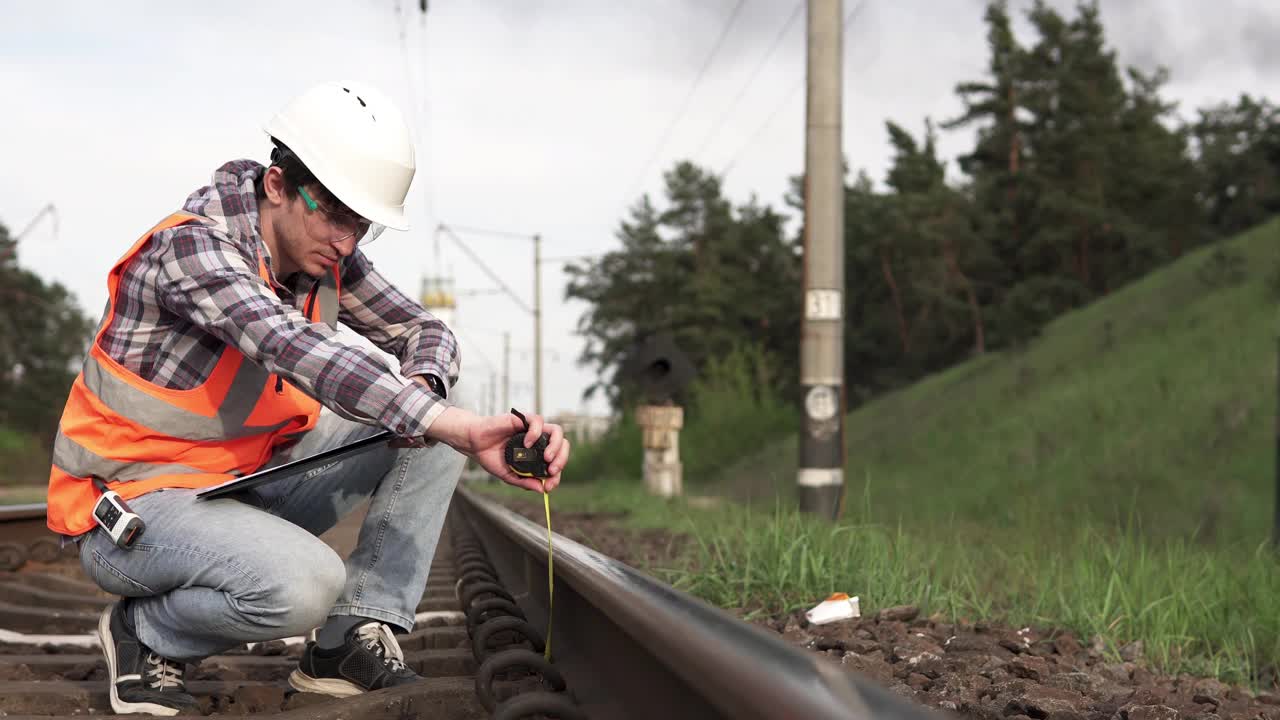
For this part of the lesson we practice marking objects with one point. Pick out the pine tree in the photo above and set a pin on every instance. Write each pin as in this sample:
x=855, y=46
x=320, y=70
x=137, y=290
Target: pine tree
x=1118, y=192
x=877, y=332
x=934, y=223
x=43, y=337
x=1004, y=190
x=710, y=276
x=1078, y=183
x=1077, y=103
x=1237, y=148
x=1156, y=180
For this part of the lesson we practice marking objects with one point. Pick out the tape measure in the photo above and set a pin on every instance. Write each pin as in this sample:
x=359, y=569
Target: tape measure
x=526, y=461
x=529, y=462
x=551, y=575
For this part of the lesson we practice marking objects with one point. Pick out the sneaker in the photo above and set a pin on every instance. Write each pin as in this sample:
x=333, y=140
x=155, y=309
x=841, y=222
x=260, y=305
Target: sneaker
x=370, y=659
x=140, y=681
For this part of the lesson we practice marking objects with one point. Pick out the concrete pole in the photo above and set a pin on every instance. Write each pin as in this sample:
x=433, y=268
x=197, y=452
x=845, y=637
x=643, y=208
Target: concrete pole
x=537, y=325
x=820, y=480
x=506, y=371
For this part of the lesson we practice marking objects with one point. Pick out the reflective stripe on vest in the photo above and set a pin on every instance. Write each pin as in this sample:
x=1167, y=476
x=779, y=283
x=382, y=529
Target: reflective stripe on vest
x=231, y=420
x=139, y=436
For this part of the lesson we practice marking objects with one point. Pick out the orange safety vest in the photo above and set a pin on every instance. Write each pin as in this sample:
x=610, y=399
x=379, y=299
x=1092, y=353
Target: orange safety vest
x=138, y=436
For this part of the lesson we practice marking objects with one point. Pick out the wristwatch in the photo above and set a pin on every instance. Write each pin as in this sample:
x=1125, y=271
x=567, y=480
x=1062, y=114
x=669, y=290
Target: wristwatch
x=436, y=385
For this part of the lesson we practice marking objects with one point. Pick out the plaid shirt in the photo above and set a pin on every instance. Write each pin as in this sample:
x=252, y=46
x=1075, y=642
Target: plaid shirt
x=195, y=288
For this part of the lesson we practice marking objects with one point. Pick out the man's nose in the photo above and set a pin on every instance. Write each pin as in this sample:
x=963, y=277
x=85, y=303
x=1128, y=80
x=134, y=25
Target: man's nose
x=346, y=246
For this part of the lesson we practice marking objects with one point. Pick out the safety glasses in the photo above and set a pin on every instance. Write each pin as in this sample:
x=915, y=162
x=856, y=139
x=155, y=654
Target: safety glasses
x=336, y=225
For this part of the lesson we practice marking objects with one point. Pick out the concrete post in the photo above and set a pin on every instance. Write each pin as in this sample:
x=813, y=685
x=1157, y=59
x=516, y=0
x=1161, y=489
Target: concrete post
x=661, y=440
x=820, y=480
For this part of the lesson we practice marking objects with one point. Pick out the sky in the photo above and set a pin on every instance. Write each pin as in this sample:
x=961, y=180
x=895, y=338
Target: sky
x=530, y=116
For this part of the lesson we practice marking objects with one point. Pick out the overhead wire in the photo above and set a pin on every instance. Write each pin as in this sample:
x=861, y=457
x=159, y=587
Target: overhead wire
x=485, y=268
x=777, y=40
x=428, y=167
x=418, y=105
x=494, y=369
x=476, y=346
x=572, y=258
x=786, y=102
x=666, y=135
x=553, y=353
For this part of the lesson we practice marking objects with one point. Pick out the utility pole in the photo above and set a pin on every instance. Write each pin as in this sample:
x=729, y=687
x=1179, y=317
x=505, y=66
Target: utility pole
x=48, y=210
x=535, y=311
x=537, y=325
x=820, y=480
x=1275, y=531
x=506, y=371
x=493, y=389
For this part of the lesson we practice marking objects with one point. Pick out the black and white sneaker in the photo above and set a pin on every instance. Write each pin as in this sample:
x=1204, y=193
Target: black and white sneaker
x=370, y=659
x=140, y=680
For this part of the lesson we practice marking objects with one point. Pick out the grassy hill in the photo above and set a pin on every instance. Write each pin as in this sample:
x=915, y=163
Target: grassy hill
x=1152, y=408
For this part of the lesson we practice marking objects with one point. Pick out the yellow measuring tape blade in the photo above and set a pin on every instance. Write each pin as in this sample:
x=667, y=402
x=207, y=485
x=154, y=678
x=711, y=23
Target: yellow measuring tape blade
x=551, y=576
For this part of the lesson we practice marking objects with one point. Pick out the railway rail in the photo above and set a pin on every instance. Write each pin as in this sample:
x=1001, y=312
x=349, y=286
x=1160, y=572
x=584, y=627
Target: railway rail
x=623, y=644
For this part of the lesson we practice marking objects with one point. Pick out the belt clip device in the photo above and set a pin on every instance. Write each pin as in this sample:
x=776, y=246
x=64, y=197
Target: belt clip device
x=114, y=515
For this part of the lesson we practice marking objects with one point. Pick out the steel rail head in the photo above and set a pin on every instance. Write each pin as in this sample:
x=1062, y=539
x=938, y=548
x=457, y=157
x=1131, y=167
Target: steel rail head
x=24, y=535
x=741, y=670
x=30, y=511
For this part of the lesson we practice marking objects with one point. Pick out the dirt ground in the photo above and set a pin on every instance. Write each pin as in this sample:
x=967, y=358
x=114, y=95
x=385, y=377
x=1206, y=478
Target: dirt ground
x=604, y=533
x=985, y=671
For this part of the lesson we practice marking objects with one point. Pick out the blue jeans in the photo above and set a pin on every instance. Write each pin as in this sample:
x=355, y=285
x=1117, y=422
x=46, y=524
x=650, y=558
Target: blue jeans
x=211, y=575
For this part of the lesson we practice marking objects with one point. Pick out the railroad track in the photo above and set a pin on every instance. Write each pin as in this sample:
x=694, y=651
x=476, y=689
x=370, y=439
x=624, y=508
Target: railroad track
x=624, y=645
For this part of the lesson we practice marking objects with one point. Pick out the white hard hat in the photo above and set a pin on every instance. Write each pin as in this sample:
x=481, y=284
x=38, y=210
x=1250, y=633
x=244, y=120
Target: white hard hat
x=356, y=143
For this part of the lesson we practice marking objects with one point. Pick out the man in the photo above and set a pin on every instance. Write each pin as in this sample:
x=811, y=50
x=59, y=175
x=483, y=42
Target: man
x=215, y=352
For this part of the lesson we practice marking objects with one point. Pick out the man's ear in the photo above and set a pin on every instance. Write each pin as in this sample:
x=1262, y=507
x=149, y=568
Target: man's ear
x=273, y=186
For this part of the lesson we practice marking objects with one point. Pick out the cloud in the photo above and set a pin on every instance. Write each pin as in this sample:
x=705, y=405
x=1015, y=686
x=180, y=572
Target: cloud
x=1196, y=41
x=531, y=116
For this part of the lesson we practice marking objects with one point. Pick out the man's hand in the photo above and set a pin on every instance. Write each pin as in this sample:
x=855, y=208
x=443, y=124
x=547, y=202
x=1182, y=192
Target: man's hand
x=485, y=438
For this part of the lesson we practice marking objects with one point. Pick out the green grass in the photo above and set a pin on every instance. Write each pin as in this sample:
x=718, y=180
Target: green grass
x=1114, y=478
x=23, y=461
x=1155, y=405
x=1194, y=609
